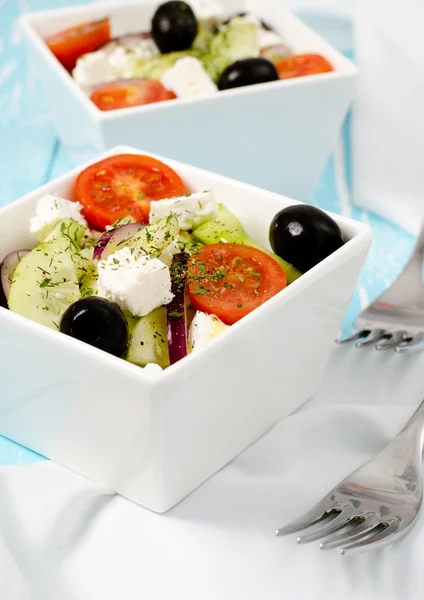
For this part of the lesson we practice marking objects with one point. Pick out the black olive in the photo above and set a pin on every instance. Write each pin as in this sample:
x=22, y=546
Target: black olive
x=97, y=322
x=174, y=26
x=243, y=14
x=3, y=301
x=247, y=72
x=304, y=235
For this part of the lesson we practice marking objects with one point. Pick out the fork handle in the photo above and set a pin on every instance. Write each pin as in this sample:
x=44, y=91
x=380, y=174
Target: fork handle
x=413, y=431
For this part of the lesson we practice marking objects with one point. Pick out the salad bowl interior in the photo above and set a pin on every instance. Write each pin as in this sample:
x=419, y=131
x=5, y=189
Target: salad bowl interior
x=294, y=122
x=154, y=437
x=131, y=17
x=298, y=37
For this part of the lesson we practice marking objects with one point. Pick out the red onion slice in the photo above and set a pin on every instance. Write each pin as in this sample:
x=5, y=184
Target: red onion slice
x=101, y=244
x=8, y=266
x=176, y=309
x=108, y=242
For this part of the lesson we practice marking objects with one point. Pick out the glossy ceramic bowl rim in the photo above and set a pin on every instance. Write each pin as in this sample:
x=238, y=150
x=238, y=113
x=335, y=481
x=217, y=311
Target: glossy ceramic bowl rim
x=345, y=70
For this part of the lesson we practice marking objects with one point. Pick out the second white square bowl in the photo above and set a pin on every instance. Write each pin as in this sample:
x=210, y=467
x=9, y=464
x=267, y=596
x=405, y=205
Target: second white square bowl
x=154, y=439
x=276, y=135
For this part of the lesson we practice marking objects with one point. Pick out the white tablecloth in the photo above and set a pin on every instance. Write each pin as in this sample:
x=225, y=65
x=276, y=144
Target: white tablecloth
x=65, y=538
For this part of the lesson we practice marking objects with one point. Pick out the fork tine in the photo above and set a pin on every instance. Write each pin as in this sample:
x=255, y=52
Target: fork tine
x=374, y=337
x=354, y=337
x=391, y=342
x=354, y=534
x=328, y=528
x=384, y=531
x=410, y=349
x=319, y=512
x=412, y=344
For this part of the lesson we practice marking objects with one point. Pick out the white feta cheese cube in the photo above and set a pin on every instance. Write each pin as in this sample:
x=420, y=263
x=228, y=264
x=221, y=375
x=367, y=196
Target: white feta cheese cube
x=93, y=68
x=152, y=369
x=188, y=79
x=145, y=49
x=50, y=210
x=268, y=38
x=124, y=57
x=247, y=18
x=206, y=9
x=203, y=329
x=134, y=281
x=168, y=254
x=191, y=210
x=118, y=61
x=122, y=62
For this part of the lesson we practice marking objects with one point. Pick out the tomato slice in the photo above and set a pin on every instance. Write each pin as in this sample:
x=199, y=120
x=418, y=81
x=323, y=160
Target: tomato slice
x=302, y=64
x=129, y=92
x=70, y=44
x=231, y=280
x=122, y=186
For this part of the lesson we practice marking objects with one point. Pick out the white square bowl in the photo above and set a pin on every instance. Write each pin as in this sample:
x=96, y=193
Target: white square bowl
x=156, y=438
x=276, y=135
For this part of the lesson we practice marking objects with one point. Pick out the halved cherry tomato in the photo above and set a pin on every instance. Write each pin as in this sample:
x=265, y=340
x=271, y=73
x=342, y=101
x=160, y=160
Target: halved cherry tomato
x=302, y=64
x=231, y=280
x=122, y=186
x=129, y=92
x=70, y=44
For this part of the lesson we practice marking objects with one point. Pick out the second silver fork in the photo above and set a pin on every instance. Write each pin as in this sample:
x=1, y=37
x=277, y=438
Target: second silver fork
x=396, y=319
x=376, y=504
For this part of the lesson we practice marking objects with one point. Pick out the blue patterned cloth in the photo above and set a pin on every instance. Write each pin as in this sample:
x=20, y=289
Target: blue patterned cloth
x=30, y=154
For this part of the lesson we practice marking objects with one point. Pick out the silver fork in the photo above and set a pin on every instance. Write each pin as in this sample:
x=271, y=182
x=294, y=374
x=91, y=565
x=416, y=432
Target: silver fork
x=396, y=319
x=376, y=504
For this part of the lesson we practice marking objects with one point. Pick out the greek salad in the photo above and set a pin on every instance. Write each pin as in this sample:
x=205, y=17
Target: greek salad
x=139, y=266
x=190, y=51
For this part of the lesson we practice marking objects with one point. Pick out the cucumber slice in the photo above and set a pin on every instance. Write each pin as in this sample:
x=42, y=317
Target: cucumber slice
x=153, y=239
x=83, y=261
x=90, y=282
x=149, y=343
x=234, y=42
x=186, y=243
x=156, y=67
x=45, y=281
x=131, y=321
x=87, y=273
x=227, y=228
x=203, y=39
